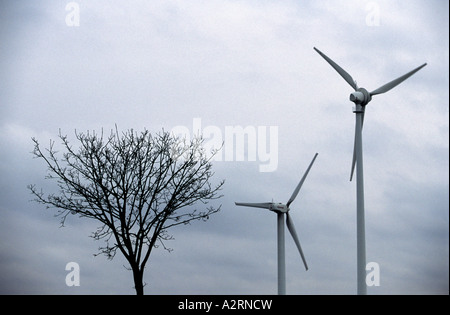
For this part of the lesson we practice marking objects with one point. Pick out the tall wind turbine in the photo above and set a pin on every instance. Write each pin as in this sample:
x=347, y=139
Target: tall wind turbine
x=361, y=97
x=281, y=209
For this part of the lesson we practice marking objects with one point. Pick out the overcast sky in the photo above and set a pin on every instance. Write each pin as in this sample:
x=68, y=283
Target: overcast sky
x=216, y=65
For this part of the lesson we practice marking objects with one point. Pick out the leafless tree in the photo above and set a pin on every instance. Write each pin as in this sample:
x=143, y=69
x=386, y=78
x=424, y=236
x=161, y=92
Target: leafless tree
x=136, y=185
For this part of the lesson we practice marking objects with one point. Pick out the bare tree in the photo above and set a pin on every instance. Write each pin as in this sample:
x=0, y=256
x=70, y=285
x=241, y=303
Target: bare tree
x=136, y=185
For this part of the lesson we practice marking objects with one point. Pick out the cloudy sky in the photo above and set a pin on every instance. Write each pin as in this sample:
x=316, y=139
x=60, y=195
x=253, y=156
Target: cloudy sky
x=217, y=65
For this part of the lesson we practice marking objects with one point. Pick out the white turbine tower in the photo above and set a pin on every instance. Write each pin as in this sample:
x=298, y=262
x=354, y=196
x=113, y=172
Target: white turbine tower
x=361, y=97
x=282, y=209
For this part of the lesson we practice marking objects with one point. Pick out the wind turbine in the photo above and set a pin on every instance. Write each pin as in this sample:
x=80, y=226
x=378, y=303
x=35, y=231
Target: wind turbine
x=281, y=209
x=361, y=97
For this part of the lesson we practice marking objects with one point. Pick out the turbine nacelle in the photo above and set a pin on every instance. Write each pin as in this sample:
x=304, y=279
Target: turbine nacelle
x=361, y=96
x=279, y=207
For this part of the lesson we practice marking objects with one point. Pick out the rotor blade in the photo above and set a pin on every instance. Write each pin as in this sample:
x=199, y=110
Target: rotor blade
x=291, y=228
x=354, y=149
x=297, y=189
x=354, y=160
x=264, y=205
x=395, y=82
x=347, y=77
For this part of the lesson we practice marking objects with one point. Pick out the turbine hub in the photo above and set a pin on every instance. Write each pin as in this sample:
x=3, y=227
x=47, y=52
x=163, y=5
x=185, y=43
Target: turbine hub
x=360, y=96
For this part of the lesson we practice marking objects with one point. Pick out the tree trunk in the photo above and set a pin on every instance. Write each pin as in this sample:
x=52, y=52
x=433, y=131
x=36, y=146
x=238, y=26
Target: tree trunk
x=138, y=280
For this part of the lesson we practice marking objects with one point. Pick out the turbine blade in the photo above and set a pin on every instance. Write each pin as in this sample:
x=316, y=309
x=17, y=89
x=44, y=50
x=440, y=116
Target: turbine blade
x=395, y=82
x=291, y=228
x=354, y=160
x=354, y=149
x=264, y=205
x=297, y=189
x=347, y=77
